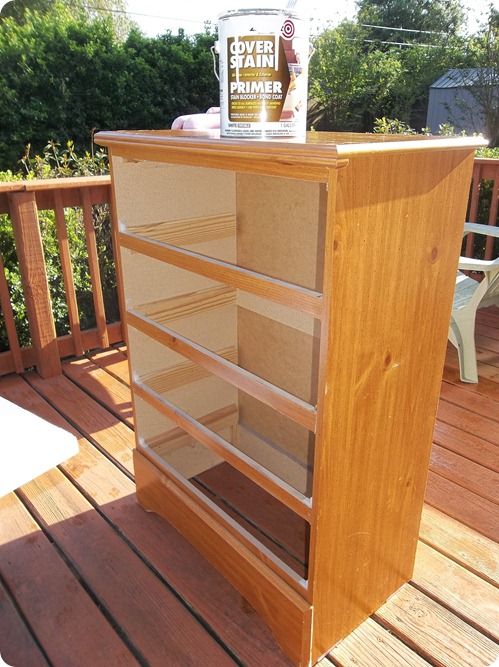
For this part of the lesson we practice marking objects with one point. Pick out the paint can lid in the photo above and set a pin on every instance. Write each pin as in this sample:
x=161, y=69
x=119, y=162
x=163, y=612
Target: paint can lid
x=259, y=11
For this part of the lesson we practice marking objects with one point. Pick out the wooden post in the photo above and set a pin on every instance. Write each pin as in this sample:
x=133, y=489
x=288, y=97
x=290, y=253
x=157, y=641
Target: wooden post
x=24, y=216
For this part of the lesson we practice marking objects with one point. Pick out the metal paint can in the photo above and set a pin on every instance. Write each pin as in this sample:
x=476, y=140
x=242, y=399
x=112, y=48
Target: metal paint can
x=263, y=64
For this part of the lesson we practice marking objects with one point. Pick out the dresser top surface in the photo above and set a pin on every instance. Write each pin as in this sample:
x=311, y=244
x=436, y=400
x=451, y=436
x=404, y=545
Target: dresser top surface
x=319, y=147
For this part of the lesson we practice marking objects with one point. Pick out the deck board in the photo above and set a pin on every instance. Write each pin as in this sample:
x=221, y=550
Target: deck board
x=114, y=362
x=469, y=422
x=103, y=428
x=370, y=645
x=455, y=587
x=167, y=553
x=72, y=535
x=478, y=403
x=461, y=544
x=434, y=631
x=61, y=612
x=157, y=625
x=465, y=473
x=468, y=445
x=102, y=386
x=464, y=505
x=18, y=646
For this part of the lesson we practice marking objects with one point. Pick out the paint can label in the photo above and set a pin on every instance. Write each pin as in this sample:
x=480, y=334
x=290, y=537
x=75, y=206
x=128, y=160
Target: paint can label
x=263, y=74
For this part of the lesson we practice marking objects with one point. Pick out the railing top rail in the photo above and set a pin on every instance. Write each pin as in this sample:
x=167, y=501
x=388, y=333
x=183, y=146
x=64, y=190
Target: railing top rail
x=38, y=184
x=72, y=182
x=44, y=190
x=491, y=161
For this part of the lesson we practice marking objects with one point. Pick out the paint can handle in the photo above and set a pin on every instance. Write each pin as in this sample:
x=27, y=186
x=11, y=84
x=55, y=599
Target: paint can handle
x=215, y=49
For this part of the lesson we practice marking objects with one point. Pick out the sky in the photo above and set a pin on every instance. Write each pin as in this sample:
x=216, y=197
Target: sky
x=157, y=16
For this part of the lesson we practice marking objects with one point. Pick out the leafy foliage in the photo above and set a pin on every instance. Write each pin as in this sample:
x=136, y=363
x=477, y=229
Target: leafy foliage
x=439, y=16
x=489, y=152
x=392, y=126
x=56, y=162
x=351, y=84
x=19, y=10
x=67, y=69
x=486, y=88
x=65, y=74
x=354, y=78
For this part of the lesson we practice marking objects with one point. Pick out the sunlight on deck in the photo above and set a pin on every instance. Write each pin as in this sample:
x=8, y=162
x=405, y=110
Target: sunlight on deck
x=80, y=559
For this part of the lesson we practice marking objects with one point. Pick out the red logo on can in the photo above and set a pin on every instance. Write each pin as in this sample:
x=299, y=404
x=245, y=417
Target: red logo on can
x=288, y=29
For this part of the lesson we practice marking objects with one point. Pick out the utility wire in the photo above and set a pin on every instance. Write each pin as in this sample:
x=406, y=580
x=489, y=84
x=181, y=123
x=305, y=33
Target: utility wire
x=179, y=18
x=152, y=16
x=413, y=44
x=386, y=27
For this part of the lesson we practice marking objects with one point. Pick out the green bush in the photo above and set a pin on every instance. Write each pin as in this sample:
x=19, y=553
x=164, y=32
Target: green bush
x=56, y=162
x=65, y=74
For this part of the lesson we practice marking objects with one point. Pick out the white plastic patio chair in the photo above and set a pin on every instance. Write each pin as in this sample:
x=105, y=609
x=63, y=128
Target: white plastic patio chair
x=469, y=296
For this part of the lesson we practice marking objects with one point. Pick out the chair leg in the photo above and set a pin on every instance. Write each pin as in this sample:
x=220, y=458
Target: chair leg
x=462, y=336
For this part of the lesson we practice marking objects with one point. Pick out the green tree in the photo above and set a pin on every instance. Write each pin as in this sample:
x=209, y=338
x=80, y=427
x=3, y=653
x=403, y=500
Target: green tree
x=64, y=74
x=18, y=9
x=165, y=77
x=351, y=85
x=335, y=78
x=439, y=16
x=113, y=9
x=485, y=89
x=354, y=80
x=57, y=78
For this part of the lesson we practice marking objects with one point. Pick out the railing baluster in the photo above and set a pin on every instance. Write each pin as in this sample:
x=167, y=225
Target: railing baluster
x=475, y=193
x=93, y=263
x=67, y=273
x=117, y=257
x=8, y=317
x=489, y=244
x=24, y=216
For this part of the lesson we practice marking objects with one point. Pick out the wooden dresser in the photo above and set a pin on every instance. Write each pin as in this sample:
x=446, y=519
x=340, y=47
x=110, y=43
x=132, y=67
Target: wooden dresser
x=287, y=315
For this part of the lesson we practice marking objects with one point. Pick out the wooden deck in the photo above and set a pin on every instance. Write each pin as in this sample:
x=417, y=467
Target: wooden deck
x=88, y=578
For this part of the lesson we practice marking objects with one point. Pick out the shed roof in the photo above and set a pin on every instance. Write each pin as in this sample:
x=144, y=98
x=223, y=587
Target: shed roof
x=464, y=78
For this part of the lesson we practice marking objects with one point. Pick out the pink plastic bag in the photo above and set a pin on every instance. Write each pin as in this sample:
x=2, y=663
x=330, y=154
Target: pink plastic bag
x=198, y=121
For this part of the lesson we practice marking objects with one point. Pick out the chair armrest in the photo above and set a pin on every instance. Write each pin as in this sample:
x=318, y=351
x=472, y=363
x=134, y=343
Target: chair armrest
x=486, y=230
x=470, y=264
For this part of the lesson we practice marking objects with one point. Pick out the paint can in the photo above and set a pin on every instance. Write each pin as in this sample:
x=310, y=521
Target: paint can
x=263, y=65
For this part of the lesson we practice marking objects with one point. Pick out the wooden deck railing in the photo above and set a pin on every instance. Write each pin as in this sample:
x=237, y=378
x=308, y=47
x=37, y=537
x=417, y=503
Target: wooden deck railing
x=485, y=175
x=22, y=200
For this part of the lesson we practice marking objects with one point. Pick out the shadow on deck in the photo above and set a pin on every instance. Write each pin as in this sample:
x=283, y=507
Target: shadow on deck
x=88, y=578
